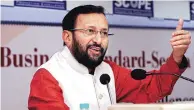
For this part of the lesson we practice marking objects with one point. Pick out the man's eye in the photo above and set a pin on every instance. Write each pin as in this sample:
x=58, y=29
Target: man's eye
x=90, y=30
x=105, y=33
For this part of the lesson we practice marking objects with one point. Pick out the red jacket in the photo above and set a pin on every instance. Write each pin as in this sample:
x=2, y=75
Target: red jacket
x=45, y=94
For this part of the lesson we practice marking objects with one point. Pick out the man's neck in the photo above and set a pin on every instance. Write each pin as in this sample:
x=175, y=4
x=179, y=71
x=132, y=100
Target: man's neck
x=91, y=71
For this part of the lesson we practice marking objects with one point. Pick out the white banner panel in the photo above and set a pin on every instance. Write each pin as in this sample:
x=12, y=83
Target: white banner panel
x=172, y=9
x=105, y=3
x=25, y=47
x=7, y=2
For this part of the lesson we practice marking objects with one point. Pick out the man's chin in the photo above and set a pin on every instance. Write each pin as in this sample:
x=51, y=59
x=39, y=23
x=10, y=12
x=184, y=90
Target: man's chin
x=95, y=58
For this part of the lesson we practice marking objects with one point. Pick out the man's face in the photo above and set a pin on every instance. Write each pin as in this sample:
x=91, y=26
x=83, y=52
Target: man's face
x=90, y=49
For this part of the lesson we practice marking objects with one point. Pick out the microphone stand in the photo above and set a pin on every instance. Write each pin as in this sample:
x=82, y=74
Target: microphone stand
x=111, y=101
x=179, y=76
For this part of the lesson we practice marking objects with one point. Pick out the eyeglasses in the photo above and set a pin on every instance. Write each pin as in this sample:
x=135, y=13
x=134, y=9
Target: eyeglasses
x=92, y=32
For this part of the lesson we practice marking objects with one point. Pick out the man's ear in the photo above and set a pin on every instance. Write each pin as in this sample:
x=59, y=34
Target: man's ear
x=67, y=37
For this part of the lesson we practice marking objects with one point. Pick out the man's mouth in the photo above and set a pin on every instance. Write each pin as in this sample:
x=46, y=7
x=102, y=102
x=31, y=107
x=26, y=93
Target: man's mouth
x=95, y=50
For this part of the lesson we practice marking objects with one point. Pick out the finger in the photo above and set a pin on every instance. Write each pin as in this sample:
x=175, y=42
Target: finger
x=180, y=24
x=181, y=42
x=181, y=46
x=180, y=32
x=180, y=37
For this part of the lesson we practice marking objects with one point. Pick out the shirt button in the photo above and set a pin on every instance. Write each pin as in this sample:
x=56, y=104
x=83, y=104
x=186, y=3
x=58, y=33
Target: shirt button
x=100, y=96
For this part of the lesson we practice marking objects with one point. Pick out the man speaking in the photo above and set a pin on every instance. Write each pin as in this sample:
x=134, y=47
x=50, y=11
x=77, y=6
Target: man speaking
x=77, y=77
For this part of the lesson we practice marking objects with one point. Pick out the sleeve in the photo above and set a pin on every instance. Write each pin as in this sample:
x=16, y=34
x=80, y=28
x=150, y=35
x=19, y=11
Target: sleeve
x=149, y=90
x=45, y=93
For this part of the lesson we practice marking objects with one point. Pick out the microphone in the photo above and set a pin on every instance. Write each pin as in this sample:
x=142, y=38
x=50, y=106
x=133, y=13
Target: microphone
x=105, y=79
x=139, y=74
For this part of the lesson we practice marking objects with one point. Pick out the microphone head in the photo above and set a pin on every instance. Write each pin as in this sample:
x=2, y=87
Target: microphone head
x=104, y=79
x=138, y=74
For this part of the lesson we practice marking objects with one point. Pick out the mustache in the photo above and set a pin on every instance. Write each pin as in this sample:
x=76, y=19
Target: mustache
x=96, y=45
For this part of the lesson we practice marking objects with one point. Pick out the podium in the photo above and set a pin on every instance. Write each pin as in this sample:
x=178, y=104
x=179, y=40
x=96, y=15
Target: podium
x=169, y=106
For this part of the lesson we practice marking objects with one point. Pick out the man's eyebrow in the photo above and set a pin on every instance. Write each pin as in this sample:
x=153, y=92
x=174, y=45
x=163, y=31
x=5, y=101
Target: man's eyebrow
x=91, y=27
x=104, y=29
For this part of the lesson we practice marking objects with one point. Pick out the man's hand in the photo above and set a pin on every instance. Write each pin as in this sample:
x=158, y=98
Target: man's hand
x=180, y=42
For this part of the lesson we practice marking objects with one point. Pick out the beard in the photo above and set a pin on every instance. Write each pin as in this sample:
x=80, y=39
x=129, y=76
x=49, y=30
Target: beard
x=83, y=57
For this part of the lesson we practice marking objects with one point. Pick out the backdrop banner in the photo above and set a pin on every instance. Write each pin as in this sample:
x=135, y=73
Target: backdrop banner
x=26, y=47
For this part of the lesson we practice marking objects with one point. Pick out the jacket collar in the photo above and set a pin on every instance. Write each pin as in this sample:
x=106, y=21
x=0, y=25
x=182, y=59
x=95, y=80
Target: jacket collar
x=73, y=62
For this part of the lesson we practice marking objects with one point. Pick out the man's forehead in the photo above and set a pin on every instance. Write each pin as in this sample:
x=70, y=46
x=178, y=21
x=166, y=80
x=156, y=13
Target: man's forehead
x=92, y=20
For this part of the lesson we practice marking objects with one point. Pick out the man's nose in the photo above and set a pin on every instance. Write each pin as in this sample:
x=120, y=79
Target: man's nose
x=97, y=38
